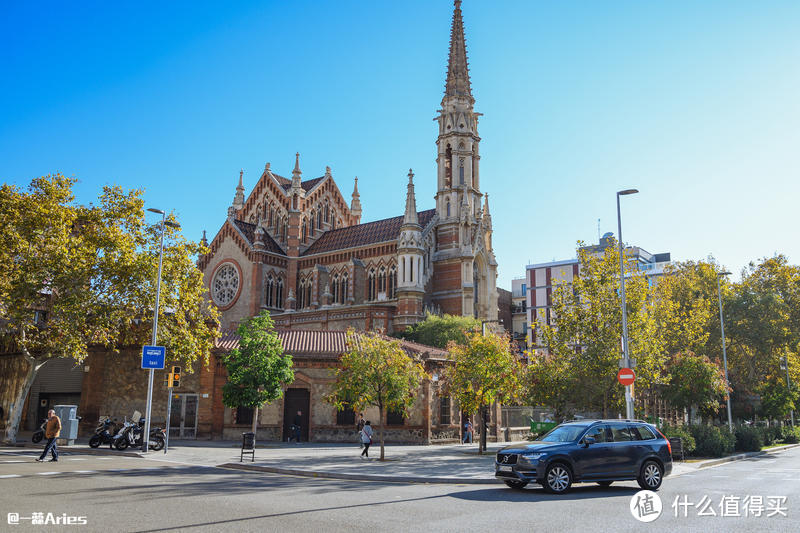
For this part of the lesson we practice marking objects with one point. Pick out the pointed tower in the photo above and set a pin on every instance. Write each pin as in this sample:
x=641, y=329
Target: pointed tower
x=464, y=273
x=355, y=204
x=410, y=252
x=238, y=198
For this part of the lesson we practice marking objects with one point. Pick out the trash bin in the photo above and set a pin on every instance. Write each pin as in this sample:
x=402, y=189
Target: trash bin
x=248, y=446
x=69, y=424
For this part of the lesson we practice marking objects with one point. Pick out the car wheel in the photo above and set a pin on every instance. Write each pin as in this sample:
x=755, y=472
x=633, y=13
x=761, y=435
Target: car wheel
x=515, y=484
x=557, y=478
x=604, y=483
x=650, y=476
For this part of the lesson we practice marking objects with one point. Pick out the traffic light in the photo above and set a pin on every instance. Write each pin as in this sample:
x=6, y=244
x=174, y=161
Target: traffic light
x=176, y=376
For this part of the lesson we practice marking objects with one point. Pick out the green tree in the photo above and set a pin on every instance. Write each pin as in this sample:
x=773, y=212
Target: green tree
x=74, y=276
x=483, y=371
x=439, y=330
x=376, y=372
x=586, y=329
x=695, y=380
x=258, y=369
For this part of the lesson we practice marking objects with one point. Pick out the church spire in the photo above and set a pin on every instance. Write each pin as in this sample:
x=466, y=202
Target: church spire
x=457, y=84
x=238, y=199
x=355, y=204
x=410, y=216
x=296, y=172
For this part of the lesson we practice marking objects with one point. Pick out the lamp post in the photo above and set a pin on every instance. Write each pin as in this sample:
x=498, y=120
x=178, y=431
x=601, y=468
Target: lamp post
x=146, y=434
x=626, y=358
x=785, y=365
x=724, y=351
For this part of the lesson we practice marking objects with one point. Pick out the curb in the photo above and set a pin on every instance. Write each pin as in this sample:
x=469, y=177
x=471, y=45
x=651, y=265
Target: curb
x=740, y=456
x=358, y=477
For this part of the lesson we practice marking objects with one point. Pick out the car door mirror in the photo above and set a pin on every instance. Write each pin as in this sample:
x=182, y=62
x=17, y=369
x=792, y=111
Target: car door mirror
x=588, y=440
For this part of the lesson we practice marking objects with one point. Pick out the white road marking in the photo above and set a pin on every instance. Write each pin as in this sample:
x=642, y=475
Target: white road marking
x=14, y=461
x=105, y=458
x=76, y=459
x=85, y=472
x=46, y=473
x=5, y=476
x=720, y=476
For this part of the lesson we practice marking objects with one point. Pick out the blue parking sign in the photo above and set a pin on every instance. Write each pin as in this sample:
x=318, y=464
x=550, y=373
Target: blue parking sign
x=153, y=357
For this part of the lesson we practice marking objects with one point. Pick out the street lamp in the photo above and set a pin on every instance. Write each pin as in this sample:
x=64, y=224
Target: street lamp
x=146, y=434
x=724, y=352
x=785, y=365
x=626, y=360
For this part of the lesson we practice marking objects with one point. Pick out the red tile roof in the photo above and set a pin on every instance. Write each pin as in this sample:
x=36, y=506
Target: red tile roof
x=324, y=344
x=384, y=230
x=249, y=231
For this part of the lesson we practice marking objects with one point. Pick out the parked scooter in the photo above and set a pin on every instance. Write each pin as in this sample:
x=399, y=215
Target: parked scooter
x=131, y=435
x=38, y=435
x=104, y=434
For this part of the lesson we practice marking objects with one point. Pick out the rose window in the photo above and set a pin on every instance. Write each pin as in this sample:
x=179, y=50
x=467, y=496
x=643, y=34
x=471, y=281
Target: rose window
x=225, y=285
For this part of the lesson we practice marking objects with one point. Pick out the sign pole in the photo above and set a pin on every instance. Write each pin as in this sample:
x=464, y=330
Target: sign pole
x=146, y=435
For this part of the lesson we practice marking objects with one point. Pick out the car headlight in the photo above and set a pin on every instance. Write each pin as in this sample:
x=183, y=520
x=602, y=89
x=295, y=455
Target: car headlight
x=531, y=457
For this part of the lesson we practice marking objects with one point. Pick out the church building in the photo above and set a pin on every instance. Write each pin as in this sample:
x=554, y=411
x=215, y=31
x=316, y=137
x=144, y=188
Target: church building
x=299, y=249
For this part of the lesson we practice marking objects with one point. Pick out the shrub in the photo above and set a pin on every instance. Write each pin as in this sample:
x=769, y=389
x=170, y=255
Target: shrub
x=682, y=432
x=791, y=435
x=748, y=439
x=769, y=434
x=712, y=441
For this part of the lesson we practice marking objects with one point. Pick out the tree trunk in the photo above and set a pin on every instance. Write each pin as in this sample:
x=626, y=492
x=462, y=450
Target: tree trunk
x=381, y=418
x=255, y=420
x=484, y=429
x=16, y=413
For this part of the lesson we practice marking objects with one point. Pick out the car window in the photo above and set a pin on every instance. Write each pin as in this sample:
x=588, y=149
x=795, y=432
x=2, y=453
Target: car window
x=598, y=432
x=642, y=433
x=620, y=433
x=565, y=433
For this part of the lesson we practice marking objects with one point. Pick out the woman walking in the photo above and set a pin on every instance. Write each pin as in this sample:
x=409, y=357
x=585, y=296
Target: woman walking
x=366, y=439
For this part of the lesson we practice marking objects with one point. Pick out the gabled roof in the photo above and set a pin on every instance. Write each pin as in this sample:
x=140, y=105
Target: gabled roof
x=324, y=344
x=249, y=231
x=307, y=185
x=384, y=230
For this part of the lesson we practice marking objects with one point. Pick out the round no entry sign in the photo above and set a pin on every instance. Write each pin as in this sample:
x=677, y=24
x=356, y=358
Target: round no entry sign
x=626, y=376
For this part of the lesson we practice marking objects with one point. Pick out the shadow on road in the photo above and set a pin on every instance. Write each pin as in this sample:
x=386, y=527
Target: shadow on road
x=537, y=494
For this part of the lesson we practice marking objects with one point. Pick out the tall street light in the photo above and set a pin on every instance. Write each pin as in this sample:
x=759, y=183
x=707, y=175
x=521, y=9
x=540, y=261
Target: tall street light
x=626, y=356
x=164, y=222
x=724, y=352
x=785, y=366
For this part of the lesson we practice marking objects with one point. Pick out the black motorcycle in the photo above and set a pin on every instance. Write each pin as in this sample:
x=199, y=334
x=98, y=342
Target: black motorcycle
x=131, y=435
x=104, y=433
x=38, y=435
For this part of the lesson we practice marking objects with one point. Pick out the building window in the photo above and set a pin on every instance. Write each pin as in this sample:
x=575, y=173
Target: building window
x=279, y=294
x=327, y=213
x=270, y=287
x=371, y=293
x=244, y=416
x=392, y=282
x=444, y=410
x=448, y=166
x=305, y=230
x=448, y=208
x=342, y=289
x=395, y=418
x=319, y=219
x=335, y=285
x=347, y=417
x=382, y=280
x=461, y=171
x=225, y=285
x=524, y=289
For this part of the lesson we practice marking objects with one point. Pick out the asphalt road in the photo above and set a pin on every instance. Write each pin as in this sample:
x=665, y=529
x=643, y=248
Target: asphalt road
x=131, y=494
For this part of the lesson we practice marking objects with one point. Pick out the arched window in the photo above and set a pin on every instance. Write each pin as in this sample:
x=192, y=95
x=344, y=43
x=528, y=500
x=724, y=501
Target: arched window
x=279, y=294
x=304, y=227
x=311, y=225
x=392, y=282
x=319, y=219
x=419, y=269
x=327, y=212
x=269, y=288
x=270, y=213
x=448, y=208
x=403, y=270
x=382, y=280
x=343, y=288
x=411, y=270
x=371, y=293
x=461, y=171
x=448, y=166
x=335, y=286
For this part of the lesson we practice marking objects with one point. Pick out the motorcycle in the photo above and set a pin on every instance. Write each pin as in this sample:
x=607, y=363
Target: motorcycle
x=38, y=435
x=104, y=434
x=131, y=435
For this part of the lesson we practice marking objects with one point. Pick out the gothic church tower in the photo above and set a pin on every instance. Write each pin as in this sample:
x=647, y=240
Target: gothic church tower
x=466, y=270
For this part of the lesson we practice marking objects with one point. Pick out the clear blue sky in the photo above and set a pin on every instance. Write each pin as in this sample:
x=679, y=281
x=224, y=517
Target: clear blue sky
x=696, y=104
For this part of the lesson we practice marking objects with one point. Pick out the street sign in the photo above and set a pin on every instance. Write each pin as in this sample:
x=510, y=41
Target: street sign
x=626, y=376
x=153, y=357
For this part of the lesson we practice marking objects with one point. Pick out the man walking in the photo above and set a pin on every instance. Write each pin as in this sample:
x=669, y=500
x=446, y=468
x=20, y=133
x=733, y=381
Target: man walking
x=52, y=430
x=366, y=439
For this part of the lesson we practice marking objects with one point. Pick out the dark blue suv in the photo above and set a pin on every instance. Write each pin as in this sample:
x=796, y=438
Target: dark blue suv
x=601, y=451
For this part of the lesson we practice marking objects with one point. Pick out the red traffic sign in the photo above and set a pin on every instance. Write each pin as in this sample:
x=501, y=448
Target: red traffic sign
x=626, y=376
